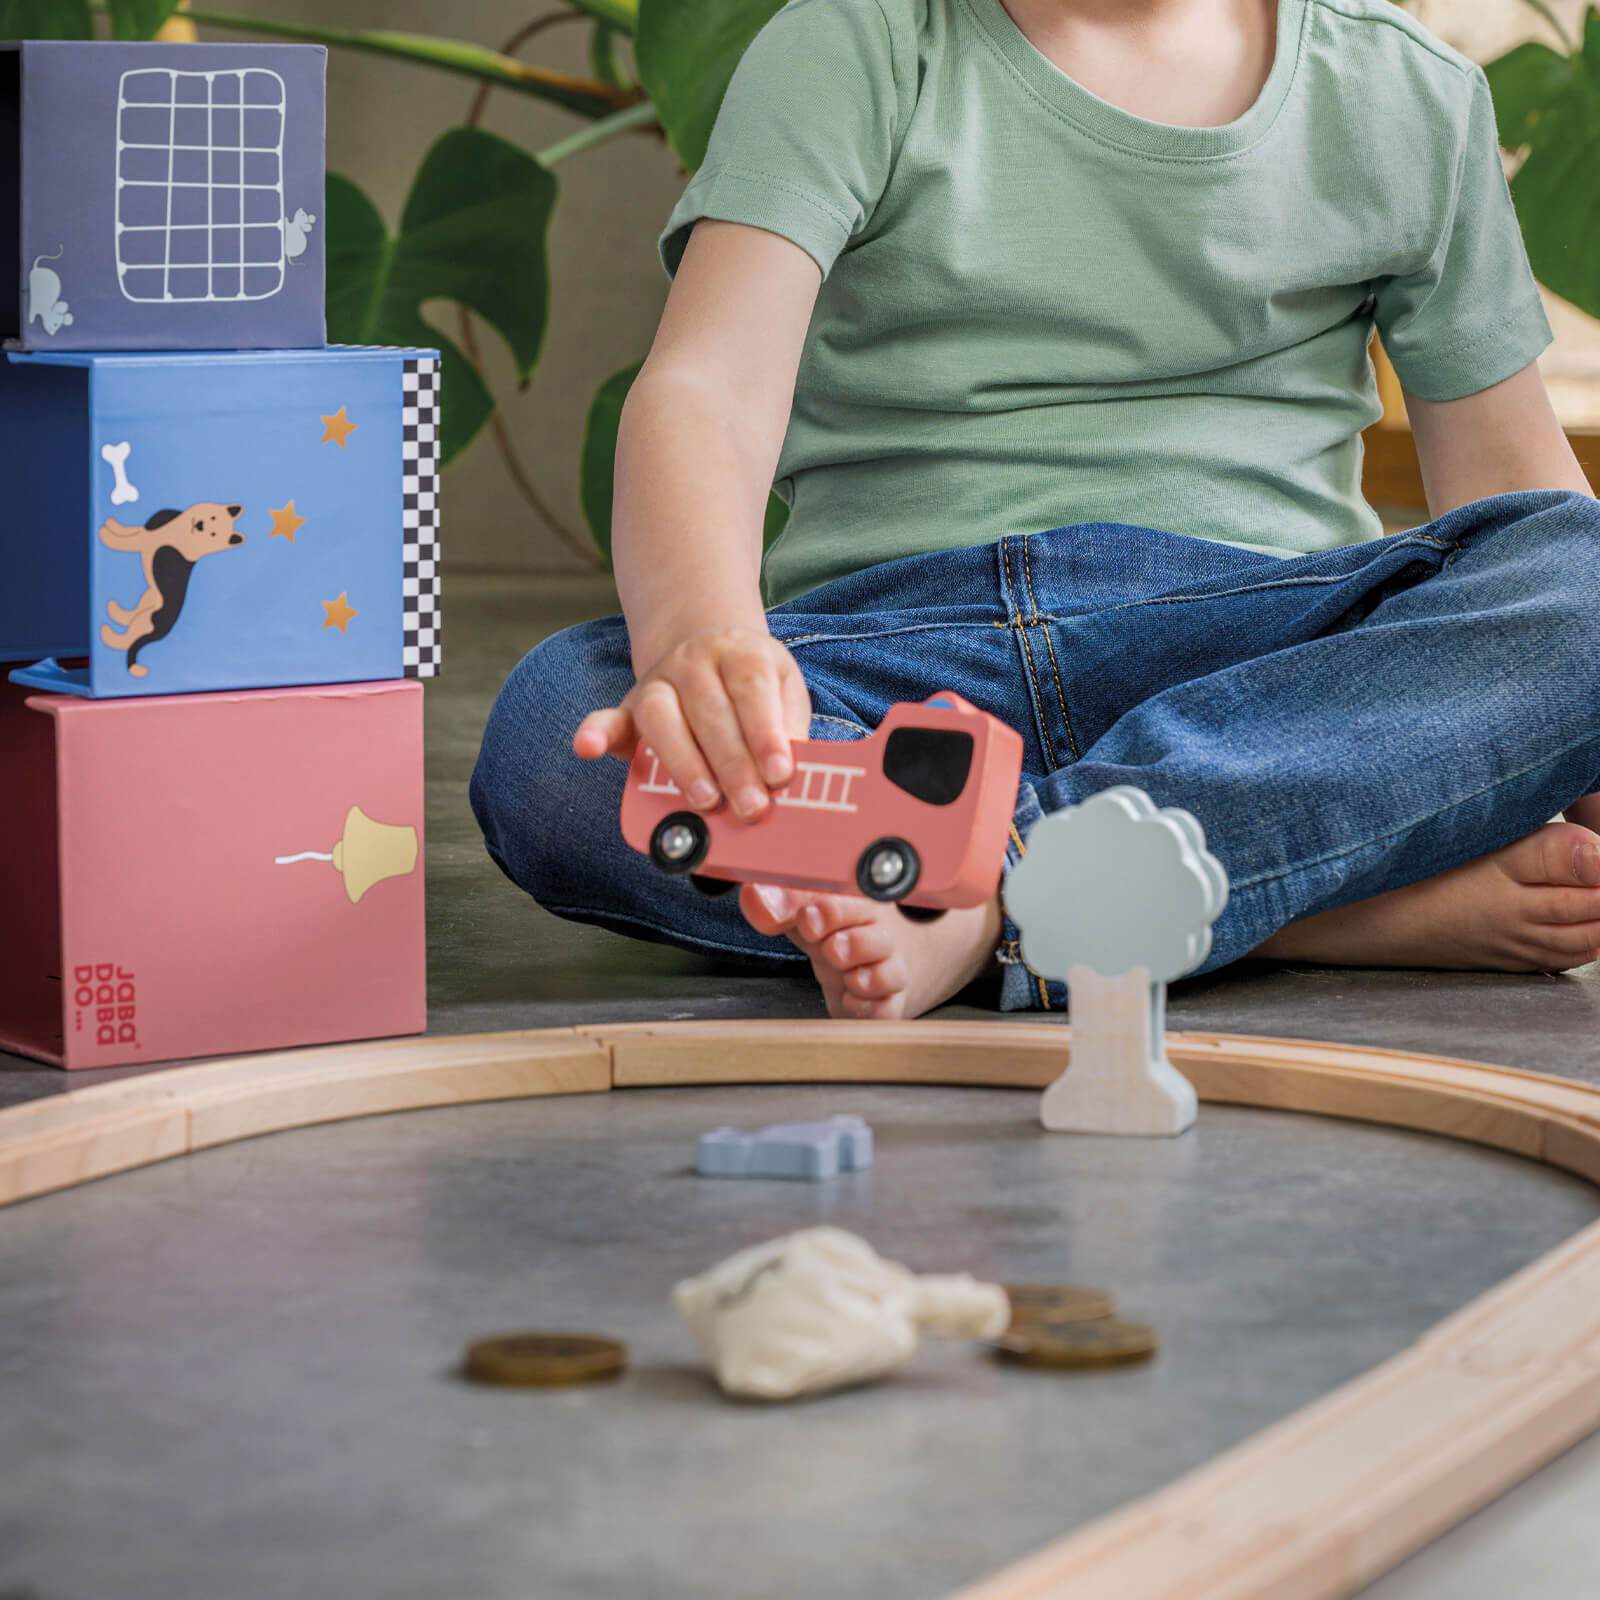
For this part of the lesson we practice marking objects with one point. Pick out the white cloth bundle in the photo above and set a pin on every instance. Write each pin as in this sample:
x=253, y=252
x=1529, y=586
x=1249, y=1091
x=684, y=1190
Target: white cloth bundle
x=820, y=1309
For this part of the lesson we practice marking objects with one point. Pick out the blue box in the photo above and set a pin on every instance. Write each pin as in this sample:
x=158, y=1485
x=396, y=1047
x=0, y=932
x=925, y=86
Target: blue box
x=254, y=519
x=161, y=196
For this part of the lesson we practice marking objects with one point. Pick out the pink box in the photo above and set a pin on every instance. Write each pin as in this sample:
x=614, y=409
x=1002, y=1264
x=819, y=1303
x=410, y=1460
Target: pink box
x=194, y=875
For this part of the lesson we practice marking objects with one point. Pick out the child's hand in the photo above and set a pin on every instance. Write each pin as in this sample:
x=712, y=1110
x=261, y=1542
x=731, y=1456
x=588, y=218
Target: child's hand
x=719, y=709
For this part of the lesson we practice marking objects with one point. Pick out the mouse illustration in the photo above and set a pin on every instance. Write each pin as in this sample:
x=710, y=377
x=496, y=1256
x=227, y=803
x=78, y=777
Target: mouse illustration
x=170, y=543
x=44, y=295
x=296, y=231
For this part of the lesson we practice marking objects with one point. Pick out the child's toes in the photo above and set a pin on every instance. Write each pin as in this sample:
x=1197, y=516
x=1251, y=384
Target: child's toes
x=877, y=980
x=1563, y=905
x=1561, y=948
x=769, y=909
x=826, y=914
x=1558, y=853
x=856, y=947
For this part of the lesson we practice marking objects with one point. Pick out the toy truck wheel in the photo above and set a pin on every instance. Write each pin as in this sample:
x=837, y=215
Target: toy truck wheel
x=712, y=888
x=887, y=870
x=920, y=913
x=678, y=843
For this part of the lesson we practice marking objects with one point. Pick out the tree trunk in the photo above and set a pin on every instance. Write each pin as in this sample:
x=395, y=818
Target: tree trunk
x=1119, y=1079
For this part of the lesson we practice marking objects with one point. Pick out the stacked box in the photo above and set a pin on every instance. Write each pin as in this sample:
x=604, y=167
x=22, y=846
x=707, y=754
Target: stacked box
x=161, y=197
x=221, y=552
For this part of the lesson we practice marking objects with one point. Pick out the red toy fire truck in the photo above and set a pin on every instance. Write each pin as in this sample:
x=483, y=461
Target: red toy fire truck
x=916, y=813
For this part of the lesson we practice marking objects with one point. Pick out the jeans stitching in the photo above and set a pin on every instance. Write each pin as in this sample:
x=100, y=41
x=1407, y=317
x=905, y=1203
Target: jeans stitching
x=884, y=633
x=843, y=722
x=1378, y=838
x=1308, y=581
x=1027, y=658
x=1049, y=644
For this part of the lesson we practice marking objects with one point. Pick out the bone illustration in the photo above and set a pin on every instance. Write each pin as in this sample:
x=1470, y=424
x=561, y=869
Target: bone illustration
x=45, y=304
x=117, y=455
x=296, y=233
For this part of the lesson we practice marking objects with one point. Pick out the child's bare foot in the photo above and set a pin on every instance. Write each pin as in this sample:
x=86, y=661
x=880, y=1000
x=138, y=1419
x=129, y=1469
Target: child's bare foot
x=1585, y=811
x=1532, y=907
x=870, y=960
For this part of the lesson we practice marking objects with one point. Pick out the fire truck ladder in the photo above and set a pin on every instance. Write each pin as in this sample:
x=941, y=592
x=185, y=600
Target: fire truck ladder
x=820, y=788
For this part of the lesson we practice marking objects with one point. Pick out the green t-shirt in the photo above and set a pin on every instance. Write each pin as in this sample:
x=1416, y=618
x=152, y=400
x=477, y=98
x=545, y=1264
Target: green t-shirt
x=1038, y=309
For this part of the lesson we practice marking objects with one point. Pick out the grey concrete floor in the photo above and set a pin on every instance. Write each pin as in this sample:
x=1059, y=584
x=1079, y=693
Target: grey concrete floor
x=190, y=1329
x=232, y=1375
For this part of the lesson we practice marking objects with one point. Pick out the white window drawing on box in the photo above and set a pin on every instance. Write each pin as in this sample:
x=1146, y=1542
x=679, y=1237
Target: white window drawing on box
x=200, y=213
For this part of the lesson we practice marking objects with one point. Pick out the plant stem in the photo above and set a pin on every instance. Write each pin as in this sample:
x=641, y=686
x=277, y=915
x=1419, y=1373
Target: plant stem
x=588, y=98
x=642, y=115
x=1549, y=16
x=515, y=43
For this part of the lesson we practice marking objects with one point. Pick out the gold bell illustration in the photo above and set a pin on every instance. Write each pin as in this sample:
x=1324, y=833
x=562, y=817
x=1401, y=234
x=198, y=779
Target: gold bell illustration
x=368, y=853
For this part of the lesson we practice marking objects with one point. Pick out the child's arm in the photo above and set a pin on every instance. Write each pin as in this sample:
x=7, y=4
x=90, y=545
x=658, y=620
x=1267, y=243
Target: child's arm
x=1503, y=438
x=716, y=697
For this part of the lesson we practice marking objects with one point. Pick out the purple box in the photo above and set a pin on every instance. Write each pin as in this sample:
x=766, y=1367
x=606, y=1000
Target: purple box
x=161, y=196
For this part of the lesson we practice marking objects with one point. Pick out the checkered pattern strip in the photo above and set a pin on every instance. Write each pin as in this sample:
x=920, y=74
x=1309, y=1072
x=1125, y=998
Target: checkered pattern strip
x=419, y=418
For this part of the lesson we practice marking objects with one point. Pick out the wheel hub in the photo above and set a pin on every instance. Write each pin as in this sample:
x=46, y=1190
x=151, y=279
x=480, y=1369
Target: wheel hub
x=677, y=843
x=888, y=866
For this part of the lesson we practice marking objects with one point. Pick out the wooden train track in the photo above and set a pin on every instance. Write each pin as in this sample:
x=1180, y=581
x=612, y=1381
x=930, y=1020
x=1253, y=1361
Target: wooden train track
x=1317, y=1505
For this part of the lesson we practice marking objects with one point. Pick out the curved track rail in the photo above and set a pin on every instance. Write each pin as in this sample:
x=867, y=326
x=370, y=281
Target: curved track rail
x=1315, y=1506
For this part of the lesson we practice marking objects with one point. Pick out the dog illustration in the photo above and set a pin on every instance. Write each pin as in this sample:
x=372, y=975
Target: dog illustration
x=170, y=542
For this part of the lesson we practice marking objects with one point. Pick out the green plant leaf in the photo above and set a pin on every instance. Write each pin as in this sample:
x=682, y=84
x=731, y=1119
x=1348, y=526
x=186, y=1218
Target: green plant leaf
x=138, y=19
x=604, y=62
x=473, y=231
x=686, y=55
x=599, y=461
x=1524, y=82
x=45, y=19
x=597, y=464
x=1550, y=105
x=777, y=519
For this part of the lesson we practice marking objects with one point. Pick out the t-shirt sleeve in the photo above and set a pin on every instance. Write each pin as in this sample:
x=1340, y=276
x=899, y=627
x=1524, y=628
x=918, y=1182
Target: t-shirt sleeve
x=1471, y=315
x=805, y=138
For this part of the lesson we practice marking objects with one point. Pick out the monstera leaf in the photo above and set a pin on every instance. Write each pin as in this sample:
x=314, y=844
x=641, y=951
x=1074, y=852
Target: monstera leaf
x=473, y=231
x=139, y=19
x=45, y=19
x=686, y=54
x=72, y=19
x=1549, y=104
x=599, y=463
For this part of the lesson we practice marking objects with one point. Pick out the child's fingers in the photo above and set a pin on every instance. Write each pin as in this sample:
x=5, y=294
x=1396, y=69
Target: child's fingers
x=658, y=714
x=753, y=687
x=796, y=697
x=609, y=731
x=714, y=721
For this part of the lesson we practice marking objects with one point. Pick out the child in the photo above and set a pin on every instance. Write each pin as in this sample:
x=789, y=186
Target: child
x=958, y=271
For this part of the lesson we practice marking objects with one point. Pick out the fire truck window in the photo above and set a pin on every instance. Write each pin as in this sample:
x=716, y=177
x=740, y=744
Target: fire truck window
x=930, y=763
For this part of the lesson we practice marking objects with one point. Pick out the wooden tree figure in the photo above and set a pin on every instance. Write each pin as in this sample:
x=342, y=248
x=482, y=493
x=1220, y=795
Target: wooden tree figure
x=1117, y=898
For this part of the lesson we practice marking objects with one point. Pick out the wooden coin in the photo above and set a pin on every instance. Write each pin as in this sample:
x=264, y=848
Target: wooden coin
x=1107, y=1342
x=542, y=1360
x=1057, y=1302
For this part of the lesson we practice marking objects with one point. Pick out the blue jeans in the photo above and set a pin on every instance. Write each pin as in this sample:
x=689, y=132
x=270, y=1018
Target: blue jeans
x=1341, y=723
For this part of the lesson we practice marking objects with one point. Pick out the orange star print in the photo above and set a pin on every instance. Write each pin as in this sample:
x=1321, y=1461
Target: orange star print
x=340, y=612
x=337, y=428
x=285, y=522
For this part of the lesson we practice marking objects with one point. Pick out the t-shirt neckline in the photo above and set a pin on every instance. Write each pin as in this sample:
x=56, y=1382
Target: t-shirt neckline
x=1114, y=125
